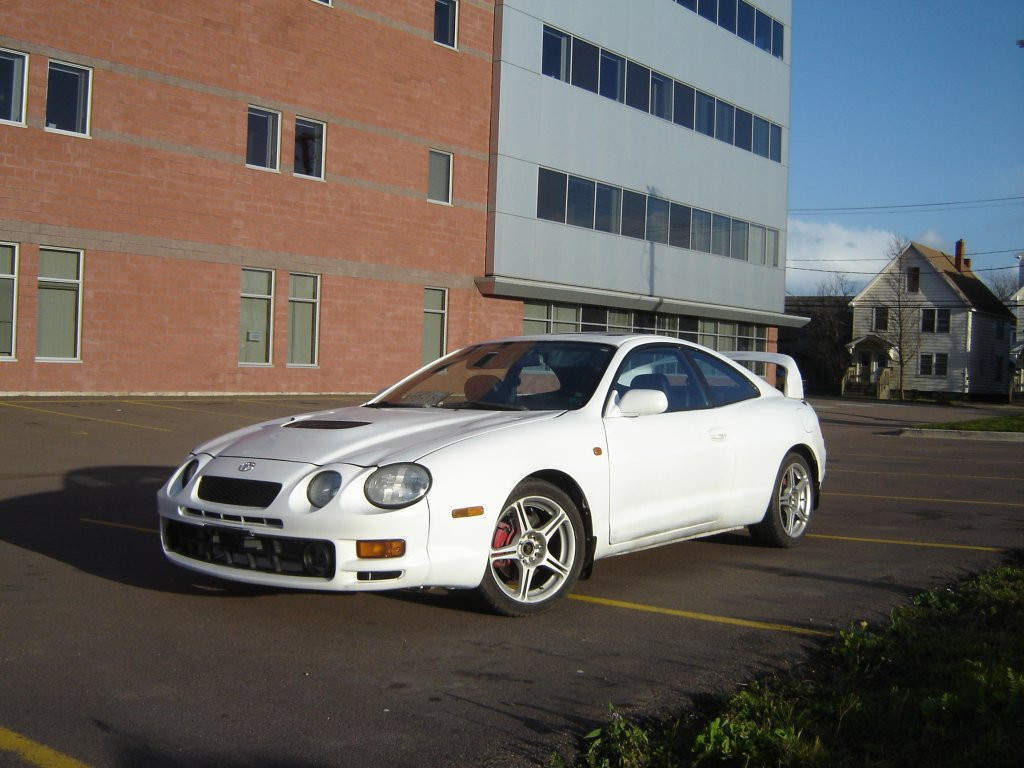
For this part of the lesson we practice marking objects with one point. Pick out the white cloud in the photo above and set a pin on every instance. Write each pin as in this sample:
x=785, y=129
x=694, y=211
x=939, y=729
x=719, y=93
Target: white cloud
x=816, y=250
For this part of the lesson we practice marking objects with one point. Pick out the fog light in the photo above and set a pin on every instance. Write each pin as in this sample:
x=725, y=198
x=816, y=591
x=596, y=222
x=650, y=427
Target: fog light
x=380, y=549
x=317, y=559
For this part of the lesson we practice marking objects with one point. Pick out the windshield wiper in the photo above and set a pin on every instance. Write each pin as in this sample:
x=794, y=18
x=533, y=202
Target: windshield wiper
x=476, y=405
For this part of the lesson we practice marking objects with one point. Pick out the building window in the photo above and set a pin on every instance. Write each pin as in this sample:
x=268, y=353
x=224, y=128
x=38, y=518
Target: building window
x=913, y=279
x=261, y=149
x=446, y=22
x=608, y=209
x=551, y=195
x=439, y=177
x=303, y=318
x=309, y=148
x=935, y=320
x=257, y=314
x=934, y=365
x=613, y=77
x=67, y=98
x=435, y=323
x=555, y=56
x=661, y=96
x=880, y=319
x=59, y=305
x=580, y=203
x=8, y=297
x=13, y=78
x=324, y=2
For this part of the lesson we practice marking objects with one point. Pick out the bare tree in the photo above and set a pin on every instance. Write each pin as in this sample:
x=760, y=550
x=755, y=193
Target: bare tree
x=830, y=326
x=1003, y=284
x=903, y=326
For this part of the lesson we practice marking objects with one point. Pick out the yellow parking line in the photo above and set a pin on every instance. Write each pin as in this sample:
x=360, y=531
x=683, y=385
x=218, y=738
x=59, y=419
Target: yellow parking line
x=905, y=543
x=701, y=616
x=927, y=499
x=110, y=524
x=834, y=471
x=86, y=418
x=34, y=753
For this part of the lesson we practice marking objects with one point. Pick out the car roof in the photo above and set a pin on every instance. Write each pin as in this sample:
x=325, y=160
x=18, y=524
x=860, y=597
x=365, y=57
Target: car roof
x=593, y=337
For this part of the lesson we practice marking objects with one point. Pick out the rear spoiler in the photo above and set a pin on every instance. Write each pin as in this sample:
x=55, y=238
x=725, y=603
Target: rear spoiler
x=793, y=385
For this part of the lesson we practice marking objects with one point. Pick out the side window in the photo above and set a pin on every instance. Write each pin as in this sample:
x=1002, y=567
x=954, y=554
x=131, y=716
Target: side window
x=725, y=383
x=665, y=369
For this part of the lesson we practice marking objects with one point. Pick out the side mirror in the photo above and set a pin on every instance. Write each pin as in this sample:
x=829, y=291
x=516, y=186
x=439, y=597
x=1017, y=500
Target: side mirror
x=643, y=402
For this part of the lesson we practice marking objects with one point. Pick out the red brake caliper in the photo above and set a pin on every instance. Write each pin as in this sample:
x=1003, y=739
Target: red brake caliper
x=504, y=534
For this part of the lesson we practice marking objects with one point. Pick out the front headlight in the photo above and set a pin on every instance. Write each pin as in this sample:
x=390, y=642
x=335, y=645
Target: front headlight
x=397, y=485
x=323, y=487
x=189, y=472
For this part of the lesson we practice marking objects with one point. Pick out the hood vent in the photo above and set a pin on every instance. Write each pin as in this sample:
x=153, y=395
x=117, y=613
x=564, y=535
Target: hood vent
x=325, y=424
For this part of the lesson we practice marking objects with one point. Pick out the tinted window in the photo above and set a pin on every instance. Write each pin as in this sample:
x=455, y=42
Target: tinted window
x=551, y=195
x=763, y=31
x=762, y=136
x=634, y=207
x=727, y=15
x=708, y=9
x=724, y=122
x=608, y=209
x=638, y=86
x=745, y=21
x=664, y=369
x=555, y=61
x=744, y=130
x=661, y=96
x=700, y=231
x=584, y=64
x=581, y=203
x=721, y=229
x=725, y=384
x=682, y=113
x=657, y=220
x=775, y=143
x=777, y=39
x=613, y=76
x=679, y=226
x=704, y=119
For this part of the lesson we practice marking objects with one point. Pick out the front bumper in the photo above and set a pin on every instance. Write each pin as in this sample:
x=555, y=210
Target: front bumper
x=283, y=540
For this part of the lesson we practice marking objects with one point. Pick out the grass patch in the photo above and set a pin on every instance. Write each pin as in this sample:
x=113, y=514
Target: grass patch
x=1011, y=423
x=942, y=684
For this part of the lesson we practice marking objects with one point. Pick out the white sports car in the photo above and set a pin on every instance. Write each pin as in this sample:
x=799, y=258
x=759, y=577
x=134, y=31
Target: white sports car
x=508, y=467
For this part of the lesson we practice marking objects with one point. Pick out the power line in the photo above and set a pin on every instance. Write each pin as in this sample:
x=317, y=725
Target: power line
x=947, y=205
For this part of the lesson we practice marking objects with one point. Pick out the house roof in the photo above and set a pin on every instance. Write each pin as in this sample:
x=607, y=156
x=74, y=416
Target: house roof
x=970, y=285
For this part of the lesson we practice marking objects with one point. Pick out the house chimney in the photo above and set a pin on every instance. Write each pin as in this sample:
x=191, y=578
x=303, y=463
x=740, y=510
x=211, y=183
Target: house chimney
x=958, y=261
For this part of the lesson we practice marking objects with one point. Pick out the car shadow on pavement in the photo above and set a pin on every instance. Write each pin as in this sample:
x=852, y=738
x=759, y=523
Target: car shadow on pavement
x=104, y=522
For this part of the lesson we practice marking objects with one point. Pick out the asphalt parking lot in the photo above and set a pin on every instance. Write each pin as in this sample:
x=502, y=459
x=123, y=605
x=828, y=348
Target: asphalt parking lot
x=109, y=656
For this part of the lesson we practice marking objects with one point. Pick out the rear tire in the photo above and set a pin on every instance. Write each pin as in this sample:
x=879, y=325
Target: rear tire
x=536, y=551
x=789, y=511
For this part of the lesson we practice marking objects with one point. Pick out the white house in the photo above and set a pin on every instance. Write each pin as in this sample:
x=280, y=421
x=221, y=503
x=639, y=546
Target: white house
x=929, y=309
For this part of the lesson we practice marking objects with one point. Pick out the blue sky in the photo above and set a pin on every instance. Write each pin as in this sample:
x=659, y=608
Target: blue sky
x=904, y=103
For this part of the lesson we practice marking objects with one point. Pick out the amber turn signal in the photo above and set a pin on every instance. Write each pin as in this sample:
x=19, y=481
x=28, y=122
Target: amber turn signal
x=380, y=549
x=467, y=512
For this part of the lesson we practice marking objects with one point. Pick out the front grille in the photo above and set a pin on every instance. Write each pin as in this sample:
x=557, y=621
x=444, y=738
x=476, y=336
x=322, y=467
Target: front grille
x=270, y=522
x=240, y=493
x=245, y=550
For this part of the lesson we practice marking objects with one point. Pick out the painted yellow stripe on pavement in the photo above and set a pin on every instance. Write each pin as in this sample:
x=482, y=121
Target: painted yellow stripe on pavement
x=85, y=418
x=701, y=616
x=111, y=524
x=906, y=543
x=834, y=471
x=35, y=753
x=925, y=498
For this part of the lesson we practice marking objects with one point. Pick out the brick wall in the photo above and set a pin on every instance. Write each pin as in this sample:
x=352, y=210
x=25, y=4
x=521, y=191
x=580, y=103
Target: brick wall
x=166, y=212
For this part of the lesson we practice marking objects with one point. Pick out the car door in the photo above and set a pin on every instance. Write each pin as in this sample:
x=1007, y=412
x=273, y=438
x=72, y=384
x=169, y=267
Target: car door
x=668, y=472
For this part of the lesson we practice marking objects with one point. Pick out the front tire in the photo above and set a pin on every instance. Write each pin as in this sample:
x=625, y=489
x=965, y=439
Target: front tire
x=789, y=511
x=536, y=551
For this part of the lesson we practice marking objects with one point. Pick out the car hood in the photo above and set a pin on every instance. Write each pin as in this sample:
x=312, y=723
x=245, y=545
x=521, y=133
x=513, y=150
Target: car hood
x=363, y=436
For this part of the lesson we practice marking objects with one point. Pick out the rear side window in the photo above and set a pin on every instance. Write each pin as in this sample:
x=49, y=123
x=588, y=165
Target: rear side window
x=725, y=384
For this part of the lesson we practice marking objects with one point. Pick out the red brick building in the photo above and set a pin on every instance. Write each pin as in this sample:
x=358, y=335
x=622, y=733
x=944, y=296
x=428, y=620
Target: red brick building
x=144, y=213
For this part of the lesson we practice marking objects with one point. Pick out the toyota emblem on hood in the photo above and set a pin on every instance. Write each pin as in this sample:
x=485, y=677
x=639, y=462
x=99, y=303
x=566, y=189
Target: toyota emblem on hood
x=245, y=466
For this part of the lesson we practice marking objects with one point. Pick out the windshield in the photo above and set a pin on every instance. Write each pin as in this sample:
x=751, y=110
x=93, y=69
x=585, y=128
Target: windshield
x=514, y=375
